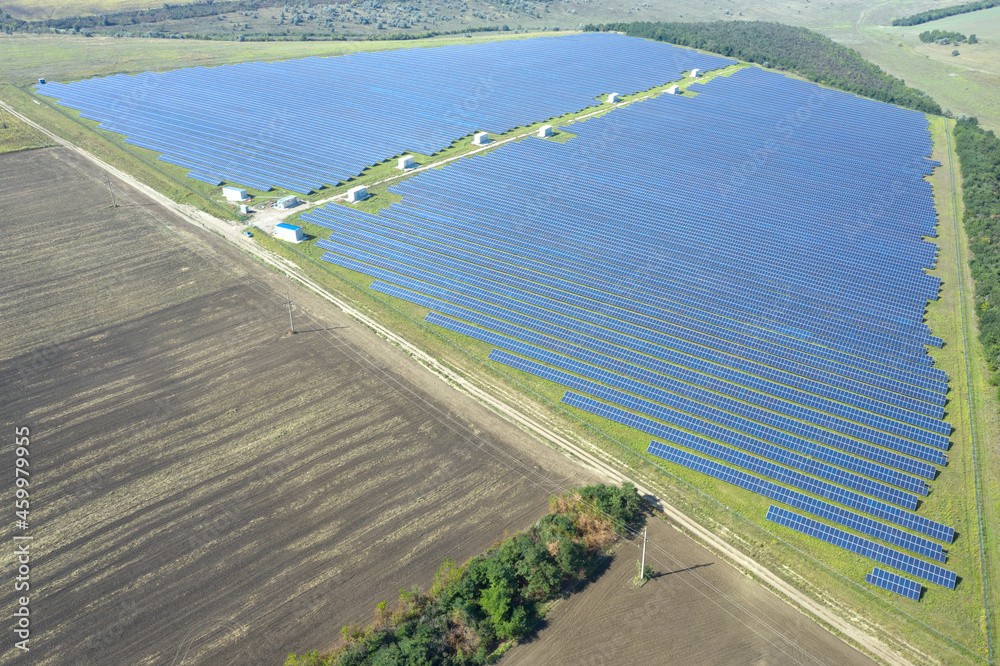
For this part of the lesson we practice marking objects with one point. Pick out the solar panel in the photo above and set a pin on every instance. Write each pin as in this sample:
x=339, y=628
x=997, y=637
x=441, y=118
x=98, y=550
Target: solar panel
x=864, y=547
x=774, y=324
x=910, y=589
x=799, y=500
x=699, y=425
x=352, y=111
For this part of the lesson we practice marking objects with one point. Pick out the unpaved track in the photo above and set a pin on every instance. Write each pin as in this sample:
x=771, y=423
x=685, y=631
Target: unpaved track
x=587, y=457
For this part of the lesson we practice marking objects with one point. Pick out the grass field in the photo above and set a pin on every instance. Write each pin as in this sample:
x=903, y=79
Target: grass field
x=17, y=135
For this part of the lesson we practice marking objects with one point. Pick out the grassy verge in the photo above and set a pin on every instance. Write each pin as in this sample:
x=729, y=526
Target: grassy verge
x=17, y=135
x=947, y=624
x=983, y=414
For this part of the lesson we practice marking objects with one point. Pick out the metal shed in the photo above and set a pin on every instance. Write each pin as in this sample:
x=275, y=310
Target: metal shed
x=234, y=194
x=356, y=194
x=288, y=232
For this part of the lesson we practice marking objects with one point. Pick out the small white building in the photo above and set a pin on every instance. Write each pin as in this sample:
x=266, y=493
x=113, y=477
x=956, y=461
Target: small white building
x=545, y=130
x=406, y=162
x=244, y=209
x=291, y=201
x=288, y=232
x=480, y=139
x=613, y=98
x=234, y=194
x=695, y=73
x=356, y=194
x=672, y=90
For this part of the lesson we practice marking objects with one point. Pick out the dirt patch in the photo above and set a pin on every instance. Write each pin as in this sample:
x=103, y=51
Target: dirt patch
x=696, y=610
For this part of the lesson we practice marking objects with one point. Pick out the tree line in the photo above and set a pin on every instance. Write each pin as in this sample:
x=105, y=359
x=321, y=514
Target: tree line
x=496, y=598
x=807, y=53
x=935, y=14
x=979, y=155
x=928, y=36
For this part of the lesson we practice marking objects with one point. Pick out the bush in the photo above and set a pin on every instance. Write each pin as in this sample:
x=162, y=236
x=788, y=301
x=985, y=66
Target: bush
x=928, y=36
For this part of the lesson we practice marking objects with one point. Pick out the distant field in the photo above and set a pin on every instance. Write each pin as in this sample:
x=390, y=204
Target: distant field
x=967, y=83
x=983, y=23
x=42, y=9
x=984, y=56
x=25, y=58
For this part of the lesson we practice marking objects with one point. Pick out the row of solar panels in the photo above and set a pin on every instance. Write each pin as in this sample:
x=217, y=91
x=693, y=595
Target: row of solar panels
x=377, y=232
x=849, y=335
x=320, y=121
x=481, y=223
x=695, y=291
x=489, y=175
x=662, y=360
x=743, y=338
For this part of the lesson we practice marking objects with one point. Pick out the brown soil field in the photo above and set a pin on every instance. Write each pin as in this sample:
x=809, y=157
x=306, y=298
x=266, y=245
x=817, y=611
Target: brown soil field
x=207, y=489
x=695, y=610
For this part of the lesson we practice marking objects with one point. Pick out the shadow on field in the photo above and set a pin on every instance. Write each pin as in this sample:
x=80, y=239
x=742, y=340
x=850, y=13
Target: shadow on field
x=680, y=571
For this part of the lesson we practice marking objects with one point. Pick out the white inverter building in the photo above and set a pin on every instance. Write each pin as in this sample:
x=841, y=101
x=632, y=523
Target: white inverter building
x=672, y=90
x=356, y=194
x=291, y=201
x=234, y=194
x=480, y=139
x=406, y=162
x=545, y=130
x=613, y=98
x=288, y=232
x=695, y=73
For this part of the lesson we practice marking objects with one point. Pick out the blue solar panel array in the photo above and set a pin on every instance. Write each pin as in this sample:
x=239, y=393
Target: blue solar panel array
x=749, y=291
x=799, y=500
x=863, y=547
x=910, y=589
x=319, y=121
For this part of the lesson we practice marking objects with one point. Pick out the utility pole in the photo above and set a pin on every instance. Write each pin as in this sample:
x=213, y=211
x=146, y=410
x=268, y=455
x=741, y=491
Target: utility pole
x=642, y=572
x=108, y=179
x=291, y=324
